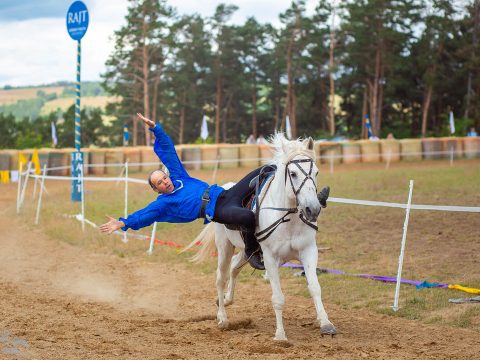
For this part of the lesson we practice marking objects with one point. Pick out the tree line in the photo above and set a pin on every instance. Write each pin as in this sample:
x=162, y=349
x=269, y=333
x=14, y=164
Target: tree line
x=404, y=64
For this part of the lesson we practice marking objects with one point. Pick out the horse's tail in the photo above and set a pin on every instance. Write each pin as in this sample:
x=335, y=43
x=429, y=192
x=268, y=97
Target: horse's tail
x=206, y=240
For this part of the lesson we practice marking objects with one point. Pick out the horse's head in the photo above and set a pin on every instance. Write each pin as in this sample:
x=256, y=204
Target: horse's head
x=300, y=173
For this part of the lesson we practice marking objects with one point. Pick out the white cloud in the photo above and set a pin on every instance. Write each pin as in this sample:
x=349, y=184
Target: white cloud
x=39, y=50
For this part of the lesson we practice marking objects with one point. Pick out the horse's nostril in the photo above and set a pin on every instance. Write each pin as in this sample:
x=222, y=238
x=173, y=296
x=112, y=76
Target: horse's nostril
x=309, y=212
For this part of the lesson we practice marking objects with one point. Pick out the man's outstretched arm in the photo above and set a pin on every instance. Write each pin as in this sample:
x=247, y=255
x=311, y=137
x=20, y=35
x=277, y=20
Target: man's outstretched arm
x=165, y=149
x=137, y=220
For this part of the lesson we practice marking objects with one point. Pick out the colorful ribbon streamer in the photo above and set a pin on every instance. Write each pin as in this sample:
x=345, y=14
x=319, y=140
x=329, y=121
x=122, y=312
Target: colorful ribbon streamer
x=418, y=284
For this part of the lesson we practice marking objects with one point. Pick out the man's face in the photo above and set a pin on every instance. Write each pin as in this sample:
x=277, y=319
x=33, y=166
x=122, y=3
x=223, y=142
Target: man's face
x=161, y=182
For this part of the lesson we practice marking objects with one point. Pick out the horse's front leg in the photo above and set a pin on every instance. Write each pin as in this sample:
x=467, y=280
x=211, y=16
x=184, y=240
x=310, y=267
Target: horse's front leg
x=309, y=258
x=225, y=253
x=278, y=300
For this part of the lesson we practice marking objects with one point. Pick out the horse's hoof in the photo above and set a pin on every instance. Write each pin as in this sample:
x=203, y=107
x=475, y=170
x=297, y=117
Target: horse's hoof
x=328, y=329
x=223, y=324
x=280, y=337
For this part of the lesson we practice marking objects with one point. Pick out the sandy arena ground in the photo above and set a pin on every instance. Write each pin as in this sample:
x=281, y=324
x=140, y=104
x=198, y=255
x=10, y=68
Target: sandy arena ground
x=63, y=302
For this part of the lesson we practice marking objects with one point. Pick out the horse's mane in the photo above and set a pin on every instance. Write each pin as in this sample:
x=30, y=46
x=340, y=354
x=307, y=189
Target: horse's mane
x=284, y=150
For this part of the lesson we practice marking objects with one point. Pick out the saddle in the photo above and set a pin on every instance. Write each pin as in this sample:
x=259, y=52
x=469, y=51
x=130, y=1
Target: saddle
x=255, y=186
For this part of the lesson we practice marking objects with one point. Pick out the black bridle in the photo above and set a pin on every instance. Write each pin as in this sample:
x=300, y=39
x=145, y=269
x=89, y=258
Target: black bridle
x=307, y=176
x=265, y=233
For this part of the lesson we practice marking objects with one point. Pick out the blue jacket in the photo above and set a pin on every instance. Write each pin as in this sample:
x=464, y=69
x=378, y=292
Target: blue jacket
x=183, y=203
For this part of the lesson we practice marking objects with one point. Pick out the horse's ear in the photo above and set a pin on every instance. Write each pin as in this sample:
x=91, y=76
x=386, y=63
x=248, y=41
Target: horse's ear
x=308, y=143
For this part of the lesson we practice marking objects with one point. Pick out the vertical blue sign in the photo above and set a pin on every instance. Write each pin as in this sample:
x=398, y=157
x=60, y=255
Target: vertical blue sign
x=77, y=24
x=77, y=172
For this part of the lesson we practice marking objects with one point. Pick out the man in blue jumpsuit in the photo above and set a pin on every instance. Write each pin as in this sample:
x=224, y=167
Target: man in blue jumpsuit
x=184, y=199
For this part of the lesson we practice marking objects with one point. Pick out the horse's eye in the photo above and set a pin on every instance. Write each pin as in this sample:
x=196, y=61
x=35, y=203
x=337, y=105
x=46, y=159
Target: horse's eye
x=293, y=174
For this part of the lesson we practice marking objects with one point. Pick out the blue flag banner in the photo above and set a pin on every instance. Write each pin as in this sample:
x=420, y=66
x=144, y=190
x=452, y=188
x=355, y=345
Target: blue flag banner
x=77, y=171
x=125, y=135
x=368, y=126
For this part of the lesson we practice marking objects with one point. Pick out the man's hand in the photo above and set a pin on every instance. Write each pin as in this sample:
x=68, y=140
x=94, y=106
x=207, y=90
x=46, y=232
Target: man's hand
x=111, y=226
x=148, y=122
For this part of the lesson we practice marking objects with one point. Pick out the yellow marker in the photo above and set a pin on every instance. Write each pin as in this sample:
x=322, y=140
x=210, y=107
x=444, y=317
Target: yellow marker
x=36, y=162
x=21, y=160
x=5, y=176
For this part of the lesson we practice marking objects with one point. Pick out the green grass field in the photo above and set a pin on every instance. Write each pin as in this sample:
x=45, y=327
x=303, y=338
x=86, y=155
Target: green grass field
x=441, y=246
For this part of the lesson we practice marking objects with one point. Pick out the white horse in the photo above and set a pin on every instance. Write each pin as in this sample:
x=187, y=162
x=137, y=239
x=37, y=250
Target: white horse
x=288, y=210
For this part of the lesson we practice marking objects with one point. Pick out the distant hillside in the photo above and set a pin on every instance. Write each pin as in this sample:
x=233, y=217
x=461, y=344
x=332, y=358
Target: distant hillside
x=11, y=96
x=41, y=100
x=88, y=101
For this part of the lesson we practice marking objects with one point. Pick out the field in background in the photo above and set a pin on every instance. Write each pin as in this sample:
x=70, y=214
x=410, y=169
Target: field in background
x=13, y=95
x=86, y=101
x=441, y=247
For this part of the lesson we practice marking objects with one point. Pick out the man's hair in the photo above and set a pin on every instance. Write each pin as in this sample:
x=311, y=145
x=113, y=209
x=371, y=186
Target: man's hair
x=152, y=185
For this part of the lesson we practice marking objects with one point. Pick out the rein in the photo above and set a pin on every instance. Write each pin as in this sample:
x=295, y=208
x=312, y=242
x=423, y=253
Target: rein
x=265, y=233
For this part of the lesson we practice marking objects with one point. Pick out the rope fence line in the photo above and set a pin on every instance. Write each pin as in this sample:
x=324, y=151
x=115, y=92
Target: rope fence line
x=472, y=209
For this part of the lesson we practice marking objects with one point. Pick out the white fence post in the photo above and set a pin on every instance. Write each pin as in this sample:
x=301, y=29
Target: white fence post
x=125, y=239
x=19, y=186
x=402, y=249
x=451, y=155
x=37, y=217
x=83, y=199
x=152, y=238
x=22, y=197
x=34, y=190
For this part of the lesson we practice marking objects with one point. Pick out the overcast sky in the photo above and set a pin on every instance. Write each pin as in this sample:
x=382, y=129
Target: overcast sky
x=35, y=48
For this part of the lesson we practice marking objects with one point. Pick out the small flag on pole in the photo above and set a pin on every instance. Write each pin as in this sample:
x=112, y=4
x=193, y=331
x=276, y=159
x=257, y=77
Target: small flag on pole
x=22, y=160
x=125, y=135
x=36, y=162
x=368, y=126
x=452, y=123
x=54, y=134
x=288, y=129
x=5, y=176
x=204, y=129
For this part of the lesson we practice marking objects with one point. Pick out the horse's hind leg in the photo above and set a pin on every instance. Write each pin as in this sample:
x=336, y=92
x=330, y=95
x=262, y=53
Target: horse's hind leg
x=225, y=253
x=237, y=264
x=309, y=258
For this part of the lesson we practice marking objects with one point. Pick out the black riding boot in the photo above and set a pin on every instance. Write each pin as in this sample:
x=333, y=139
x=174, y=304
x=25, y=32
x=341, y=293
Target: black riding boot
x=323, y=196
x=253, y=251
